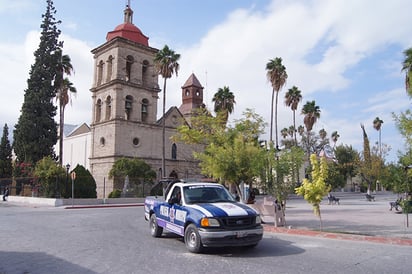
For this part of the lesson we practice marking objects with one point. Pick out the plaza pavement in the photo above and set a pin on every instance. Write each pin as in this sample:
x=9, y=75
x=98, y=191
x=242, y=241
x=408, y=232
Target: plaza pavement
x=354, y=218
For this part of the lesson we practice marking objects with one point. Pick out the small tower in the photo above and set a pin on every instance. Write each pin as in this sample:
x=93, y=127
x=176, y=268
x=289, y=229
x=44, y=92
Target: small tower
x=192, y=96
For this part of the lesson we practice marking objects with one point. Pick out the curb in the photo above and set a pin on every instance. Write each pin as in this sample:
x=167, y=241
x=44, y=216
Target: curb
x=102, y=206
x=339, y=236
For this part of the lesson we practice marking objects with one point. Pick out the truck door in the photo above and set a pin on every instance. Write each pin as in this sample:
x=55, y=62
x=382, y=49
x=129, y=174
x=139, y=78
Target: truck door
x=177, y=212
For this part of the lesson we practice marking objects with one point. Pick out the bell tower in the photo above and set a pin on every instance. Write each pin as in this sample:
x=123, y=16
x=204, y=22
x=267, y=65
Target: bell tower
x=124, y=94
x=192, y=96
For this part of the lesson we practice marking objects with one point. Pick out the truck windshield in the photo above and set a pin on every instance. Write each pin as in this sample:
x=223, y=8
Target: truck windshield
x=206, y=194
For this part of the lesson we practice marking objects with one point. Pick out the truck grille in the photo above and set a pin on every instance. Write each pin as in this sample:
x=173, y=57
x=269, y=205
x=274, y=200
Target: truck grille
x=238, y=222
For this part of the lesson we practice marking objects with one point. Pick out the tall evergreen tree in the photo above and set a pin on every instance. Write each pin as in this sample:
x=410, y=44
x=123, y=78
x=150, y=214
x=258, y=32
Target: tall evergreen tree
x=6, y=166
x=35, y=133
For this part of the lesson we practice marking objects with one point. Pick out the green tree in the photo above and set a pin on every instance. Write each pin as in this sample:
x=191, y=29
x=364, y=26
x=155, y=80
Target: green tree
x=371, y=166
x=166, y=63
x=285, y=163
x=407, y=67
x=63, y=86
x=137, y=171
x=224, y=101
x=203, y=129
x=292, y=99
x=336, y=180
x=232, y=155
x=50, y=177
x=314, y=191
x=347, y=159
x=377, y=124
x=35, y=133
x=277, y=76
x=6, y=164
x=404, y=124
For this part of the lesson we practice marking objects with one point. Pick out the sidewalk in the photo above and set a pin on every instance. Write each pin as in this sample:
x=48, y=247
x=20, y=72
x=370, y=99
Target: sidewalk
x=354, y=218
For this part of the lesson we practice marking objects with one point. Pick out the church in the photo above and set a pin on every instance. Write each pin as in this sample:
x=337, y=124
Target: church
x=125, y=94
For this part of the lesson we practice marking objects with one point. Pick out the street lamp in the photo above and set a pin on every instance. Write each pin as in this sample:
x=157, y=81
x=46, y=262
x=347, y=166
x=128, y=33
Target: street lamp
x=67, y=177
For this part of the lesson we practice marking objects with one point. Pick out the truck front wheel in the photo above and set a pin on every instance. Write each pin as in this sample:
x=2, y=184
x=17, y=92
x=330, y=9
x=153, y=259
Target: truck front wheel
x=192, y=239
x=155, y=230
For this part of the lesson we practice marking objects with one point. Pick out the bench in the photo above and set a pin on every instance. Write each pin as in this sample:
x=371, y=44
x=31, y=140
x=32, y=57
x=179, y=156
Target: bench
x=369, y=197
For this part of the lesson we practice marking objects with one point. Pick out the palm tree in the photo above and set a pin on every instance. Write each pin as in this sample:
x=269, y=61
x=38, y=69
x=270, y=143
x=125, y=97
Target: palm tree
x=292, y=100
x=377, y=124
x=224, y=103
x=166, y=65
x=276, y=74
x=335, y=135
x=63, y=86
x=284, y=132
x=301, y=130
x=312, y=114
x=323, y=134
x=407, y=67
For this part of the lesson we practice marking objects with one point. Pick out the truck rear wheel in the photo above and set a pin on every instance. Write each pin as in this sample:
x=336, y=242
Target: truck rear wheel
x=155, y=230
x=192, y=239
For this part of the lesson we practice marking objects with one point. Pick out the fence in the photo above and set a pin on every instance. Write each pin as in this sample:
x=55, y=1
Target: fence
x=84, y=187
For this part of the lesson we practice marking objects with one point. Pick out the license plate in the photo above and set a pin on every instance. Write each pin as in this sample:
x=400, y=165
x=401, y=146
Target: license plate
x=241, y=234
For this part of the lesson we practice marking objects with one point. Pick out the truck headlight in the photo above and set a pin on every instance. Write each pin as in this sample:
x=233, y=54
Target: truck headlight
x=258, y=220
x=209, y=222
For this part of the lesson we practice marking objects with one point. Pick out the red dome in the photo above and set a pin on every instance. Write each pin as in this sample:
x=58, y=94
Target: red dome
x=130, y=32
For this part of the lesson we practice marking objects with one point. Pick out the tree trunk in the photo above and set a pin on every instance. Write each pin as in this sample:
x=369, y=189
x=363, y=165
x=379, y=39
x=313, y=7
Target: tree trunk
x=276, y=120
x=61, y=129
x=164, y=131
x=271, y=117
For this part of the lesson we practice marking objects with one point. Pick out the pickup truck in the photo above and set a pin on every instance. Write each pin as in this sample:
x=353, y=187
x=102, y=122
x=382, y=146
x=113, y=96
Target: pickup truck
x=204, y=214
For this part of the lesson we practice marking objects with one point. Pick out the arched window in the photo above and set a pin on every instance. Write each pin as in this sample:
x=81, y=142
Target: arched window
x=128, y=106
x=129, y=63
x=109, y=68
x=145, y=72
x=145, y=109
x=174, y=152
x=108, y=107
x=100, y=72
x=98, y=110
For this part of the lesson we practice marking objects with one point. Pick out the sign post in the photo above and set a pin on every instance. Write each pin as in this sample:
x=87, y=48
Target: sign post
x=73, y=176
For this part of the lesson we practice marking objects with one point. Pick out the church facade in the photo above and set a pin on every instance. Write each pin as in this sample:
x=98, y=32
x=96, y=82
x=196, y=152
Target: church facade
x=125, y=94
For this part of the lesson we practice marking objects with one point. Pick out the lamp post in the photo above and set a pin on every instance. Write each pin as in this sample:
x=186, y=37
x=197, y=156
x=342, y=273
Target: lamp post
x=67, y=178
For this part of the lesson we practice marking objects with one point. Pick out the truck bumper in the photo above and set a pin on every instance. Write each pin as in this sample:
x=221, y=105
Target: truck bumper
x=244, y=237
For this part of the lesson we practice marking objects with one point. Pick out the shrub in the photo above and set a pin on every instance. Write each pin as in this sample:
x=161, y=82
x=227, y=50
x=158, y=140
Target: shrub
x=84, y=184
x=115, y=193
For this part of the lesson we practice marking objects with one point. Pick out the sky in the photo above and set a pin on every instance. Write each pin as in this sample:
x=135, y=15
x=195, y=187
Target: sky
x=344, y=54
